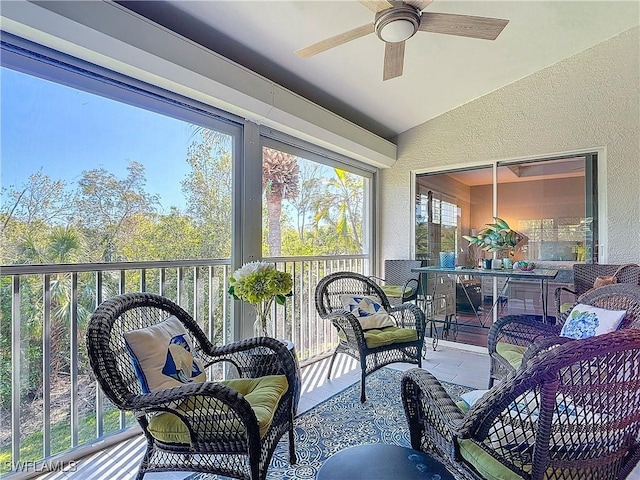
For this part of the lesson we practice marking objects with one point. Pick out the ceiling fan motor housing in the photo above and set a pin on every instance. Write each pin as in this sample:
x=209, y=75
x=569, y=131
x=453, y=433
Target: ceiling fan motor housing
x=397, y=24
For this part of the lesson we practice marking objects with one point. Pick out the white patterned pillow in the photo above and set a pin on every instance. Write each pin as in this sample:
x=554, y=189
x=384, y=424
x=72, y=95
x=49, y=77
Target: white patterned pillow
x=368, y=311
x=586, y=321
x=162, y=356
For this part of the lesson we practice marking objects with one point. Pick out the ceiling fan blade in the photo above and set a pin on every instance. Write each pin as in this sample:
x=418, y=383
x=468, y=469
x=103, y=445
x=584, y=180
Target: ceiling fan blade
x=393, y=60
x=328, y=43
x=419, y=4
x=376, y=5
x=462, y=25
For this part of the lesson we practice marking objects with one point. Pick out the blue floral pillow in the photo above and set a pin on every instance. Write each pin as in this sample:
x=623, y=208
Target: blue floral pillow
x=586, y=321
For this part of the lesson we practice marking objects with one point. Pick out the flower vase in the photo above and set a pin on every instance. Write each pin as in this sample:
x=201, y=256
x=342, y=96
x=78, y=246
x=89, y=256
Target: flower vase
x=260, y=327
x=261, y=324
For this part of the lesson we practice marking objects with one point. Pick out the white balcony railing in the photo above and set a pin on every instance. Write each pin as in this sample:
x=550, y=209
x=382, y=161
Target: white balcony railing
x=50, y=403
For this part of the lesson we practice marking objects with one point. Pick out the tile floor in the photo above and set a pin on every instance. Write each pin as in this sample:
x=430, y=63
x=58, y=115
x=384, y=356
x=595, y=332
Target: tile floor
x=447, y=363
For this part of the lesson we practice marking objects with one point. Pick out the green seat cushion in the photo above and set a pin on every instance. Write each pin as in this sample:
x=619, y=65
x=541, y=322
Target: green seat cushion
x=263, y=394
x=386, y=336
x=511, y=353
x=565, y=307
x=396, y=291
x=485, y=464
x=489, y=467
x=462, y=405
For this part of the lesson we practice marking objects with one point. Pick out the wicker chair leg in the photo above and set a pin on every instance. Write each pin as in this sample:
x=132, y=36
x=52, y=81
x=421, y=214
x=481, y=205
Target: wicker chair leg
x=333, y=357
x=292, y=447
x=254, y=467
x=144, y=464
x=363, y=395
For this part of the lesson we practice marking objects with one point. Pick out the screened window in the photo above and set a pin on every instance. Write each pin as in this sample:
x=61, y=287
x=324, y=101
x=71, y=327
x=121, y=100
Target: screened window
x=312, y=206
x=88, y=178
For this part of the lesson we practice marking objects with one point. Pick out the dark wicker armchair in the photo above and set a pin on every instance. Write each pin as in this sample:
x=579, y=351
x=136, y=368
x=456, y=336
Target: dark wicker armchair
x=510, y=336
x=585, y=274
x=572, y=414
x=372, y=348
x=220, y=431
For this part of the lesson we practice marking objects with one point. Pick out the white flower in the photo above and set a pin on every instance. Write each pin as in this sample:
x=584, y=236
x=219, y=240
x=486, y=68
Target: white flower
x=250, y=268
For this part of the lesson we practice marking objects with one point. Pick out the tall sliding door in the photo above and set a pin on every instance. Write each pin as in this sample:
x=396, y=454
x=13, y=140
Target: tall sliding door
x=551, y=202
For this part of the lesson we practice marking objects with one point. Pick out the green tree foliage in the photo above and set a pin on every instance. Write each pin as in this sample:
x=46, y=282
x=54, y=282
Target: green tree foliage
x=311, y=189
x=338, y=218
x=207, y=190
x=104, y=205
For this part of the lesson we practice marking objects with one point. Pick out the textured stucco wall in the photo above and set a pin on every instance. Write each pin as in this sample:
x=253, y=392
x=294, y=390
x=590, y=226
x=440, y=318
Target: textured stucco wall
x=590, y=100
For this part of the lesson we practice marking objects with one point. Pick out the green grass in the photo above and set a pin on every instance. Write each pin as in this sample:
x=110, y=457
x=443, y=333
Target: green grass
x=31, y=448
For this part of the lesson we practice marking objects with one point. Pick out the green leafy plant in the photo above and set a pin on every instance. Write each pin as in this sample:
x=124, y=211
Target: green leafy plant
x=260, y=283
x=497, y=237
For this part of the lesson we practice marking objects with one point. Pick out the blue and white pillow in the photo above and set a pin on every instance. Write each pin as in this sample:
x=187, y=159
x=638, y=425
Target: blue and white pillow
x=368, y=311
x=163, y=356
x=586, y=321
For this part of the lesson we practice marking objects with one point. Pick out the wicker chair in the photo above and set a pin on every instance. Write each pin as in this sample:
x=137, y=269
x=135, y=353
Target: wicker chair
x=400, y=284
x=572, y=413
x=353, y=341
x=225, y=436
x=584, y=274
x=509, y=337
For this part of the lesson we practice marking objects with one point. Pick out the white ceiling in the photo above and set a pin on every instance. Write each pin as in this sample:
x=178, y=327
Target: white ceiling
x=441, y=72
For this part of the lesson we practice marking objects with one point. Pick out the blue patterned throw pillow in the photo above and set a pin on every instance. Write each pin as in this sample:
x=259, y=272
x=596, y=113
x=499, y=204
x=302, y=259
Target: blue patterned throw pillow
x=367, y=310
x=586, y=321
x=163, y=356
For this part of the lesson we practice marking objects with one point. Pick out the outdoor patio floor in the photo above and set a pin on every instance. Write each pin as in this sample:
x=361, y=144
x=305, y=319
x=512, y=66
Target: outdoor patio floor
x=447, y=363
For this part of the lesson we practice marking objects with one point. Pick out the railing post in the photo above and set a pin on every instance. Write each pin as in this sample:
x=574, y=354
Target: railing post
x=15, y=369
x=74, y=359
x=46, y=366
x=99, y=402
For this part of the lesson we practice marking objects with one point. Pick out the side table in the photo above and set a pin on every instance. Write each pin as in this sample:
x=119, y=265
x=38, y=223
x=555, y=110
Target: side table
x=382, y=462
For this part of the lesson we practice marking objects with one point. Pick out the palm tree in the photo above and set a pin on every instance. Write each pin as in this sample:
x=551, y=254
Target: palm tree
x=341, y=208
x=280, y=177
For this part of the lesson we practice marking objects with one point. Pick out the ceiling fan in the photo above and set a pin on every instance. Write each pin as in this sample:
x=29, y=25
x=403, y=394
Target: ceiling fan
x=395, y=22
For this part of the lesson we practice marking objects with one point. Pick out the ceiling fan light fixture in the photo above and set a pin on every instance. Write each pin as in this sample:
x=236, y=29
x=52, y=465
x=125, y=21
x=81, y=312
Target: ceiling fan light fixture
x=397, y=31
x=397, y=24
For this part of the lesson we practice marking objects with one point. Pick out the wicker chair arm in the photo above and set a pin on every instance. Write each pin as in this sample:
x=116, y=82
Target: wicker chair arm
x=428, y=405
x=217, y=411
x=161, y=400
x=243, y=353
x=348, y=324
x=519, y=330
x=410, y=284
x=409, y=315
x=542, y=346
x=557, y=298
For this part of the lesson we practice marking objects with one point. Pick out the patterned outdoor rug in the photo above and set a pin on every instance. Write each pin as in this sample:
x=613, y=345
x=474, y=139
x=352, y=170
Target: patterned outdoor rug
x=341, y=422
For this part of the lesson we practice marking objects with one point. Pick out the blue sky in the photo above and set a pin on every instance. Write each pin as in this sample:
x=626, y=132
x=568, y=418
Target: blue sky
x=66, y=131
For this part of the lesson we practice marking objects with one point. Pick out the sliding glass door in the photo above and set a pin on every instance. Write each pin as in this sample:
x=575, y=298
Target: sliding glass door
x=551, y=203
